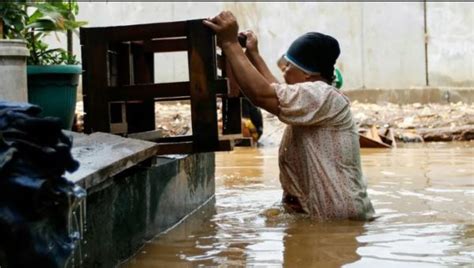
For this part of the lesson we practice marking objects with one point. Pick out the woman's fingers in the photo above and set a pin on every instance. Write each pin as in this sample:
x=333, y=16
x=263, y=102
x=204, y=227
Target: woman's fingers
x=216, y=23
x=225, y=26
x=211, y=25
x=250, y=35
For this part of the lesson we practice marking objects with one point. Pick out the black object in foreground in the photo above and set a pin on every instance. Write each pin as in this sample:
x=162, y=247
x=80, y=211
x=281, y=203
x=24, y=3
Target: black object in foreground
x=36, y=201
x=242, y=40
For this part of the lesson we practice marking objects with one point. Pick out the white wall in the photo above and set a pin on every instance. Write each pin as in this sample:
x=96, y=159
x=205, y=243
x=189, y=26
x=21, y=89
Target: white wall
x=382, y=44
x=393, y=45
x=451, y=43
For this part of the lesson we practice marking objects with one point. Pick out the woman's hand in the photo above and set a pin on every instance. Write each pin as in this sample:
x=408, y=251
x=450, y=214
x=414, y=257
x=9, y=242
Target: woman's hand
x=226, y=27
x=252, y=42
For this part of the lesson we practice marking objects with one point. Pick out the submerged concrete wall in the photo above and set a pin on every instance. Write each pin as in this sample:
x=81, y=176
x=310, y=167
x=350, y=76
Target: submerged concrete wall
x=383, y=44
x=133, y=207
x=132, y=195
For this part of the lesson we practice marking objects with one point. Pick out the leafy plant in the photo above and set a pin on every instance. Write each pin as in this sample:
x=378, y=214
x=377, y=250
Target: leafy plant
x=34, y=20
x=12, y=19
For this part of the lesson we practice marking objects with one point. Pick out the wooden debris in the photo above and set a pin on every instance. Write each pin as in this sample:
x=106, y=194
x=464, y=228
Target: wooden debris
x=370, y=138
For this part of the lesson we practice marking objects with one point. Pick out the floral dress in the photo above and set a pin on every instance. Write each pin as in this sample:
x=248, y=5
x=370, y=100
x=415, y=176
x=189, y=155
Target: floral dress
x=319, y=154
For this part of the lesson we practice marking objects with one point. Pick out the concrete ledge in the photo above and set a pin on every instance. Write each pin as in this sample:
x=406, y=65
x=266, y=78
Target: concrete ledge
x=103, y=155
x=133, y=195
x=416, y=94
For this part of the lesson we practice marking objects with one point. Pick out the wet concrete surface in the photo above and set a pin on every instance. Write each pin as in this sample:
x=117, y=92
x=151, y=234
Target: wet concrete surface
x=422, y=193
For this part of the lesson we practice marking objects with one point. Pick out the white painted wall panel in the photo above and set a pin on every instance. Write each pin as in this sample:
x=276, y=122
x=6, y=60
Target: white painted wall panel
x=451, y=44
x=382, y=44
x=393, y=48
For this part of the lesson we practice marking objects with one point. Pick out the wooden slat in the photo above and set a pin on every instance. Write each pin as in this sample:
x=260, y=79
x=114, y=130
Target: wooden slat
x=188, y=147
x=220, y=59
x=137, y=31
x=95, y=78
x=202, y=74
x=147, y=135
x=112, y=58
x=141, y=116
x=366, y=142
x=168, y=91
x=231, y=105
x=119, y=74
x=148, y=92
x=231, y=116
x=245, y=142
x=173, y=139
x=166, y=45
x=124, y=64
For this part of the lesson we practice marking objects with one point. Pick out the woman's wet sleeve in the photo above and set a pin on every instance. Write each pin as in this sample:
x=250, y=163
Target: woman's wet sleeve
x=309, y=104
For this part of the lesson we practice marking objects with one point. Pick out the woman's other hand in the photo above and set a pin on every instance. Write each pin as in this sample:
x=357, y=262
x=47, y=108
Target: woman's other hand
x=252, y=41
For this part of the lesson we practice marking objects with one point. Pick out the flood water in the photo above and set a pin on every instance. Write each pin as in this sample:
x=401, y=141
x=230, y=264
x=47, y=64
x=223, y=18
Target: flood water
x=422, y=193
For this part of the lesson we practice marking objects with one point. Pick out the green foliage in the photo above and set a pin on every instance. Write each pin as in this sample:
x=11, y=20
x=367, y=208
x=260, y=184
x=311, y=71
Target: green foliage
x=34, y=20
x=12, y=18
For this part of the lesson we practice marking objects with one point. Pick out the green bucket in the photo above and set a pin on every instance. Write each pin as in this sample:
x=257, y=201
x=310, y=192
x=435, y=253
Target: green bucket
x=339, y=81
x=54, y=89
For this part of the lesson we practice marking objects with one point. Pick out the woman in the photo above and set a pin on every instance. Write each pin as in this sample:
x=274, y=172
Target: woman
x=319, y=159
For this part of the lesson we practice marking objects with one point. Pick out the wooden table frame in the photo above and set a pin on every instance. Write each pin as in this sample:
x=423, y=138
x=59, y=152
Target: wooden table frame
x=119, y=90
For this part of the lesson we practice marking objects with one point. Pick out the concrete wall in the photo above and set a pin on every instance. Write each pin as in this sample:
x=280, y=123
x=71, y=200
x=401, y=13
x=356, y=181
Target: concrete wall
x=132, y=207
x=451, y=44
x=382, y=43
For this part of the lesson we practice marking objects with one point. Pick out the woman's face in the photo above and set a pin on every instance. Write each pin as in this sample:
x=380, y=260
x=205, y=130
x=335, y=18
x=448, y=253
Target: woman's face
x=293, y=74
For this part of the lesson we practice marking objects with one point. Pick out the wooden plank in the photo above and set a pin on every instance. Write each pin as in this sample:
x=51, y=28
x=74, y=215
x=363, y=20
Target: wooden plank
x=119, y=74
x=175, y=148
x=115, y=109
x=231, y=116
x=173, y=139
x=245, y=142
x=125, y=72
x=118, y=123
x=125, y=77
x=188, y=148
x=147, y=135
x=459, y=133
x=95, y=78
x=141, y=115
x=220, y=60
x=138, y=31
x=112, y=58
x=373, y=134
x=166, y=45
x=202, y=74
x=149, y=91
x=180, y=90
x=366, y=142
x=232, y=105
x=231, y=137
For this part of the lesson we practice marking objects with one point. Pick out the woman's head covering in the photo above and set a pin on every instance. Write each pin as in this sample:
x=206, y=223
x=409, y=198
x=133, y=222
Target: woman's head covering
x=314, y=53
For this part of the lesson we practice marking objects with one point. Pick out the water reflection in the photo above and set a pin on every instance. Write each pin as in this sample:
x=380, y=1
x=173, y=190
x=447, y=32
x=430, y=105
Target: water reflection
x=423, y=195
x=309, y=244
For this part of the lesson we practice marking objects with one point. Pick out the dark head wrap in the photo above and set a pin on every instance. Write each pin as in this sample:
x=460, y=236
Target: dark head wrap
x=314, y=53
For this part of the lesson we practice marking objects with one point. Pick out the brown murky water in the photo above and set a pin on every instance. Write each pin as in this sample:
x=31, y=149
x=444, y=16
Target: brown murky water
x=423, y=193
